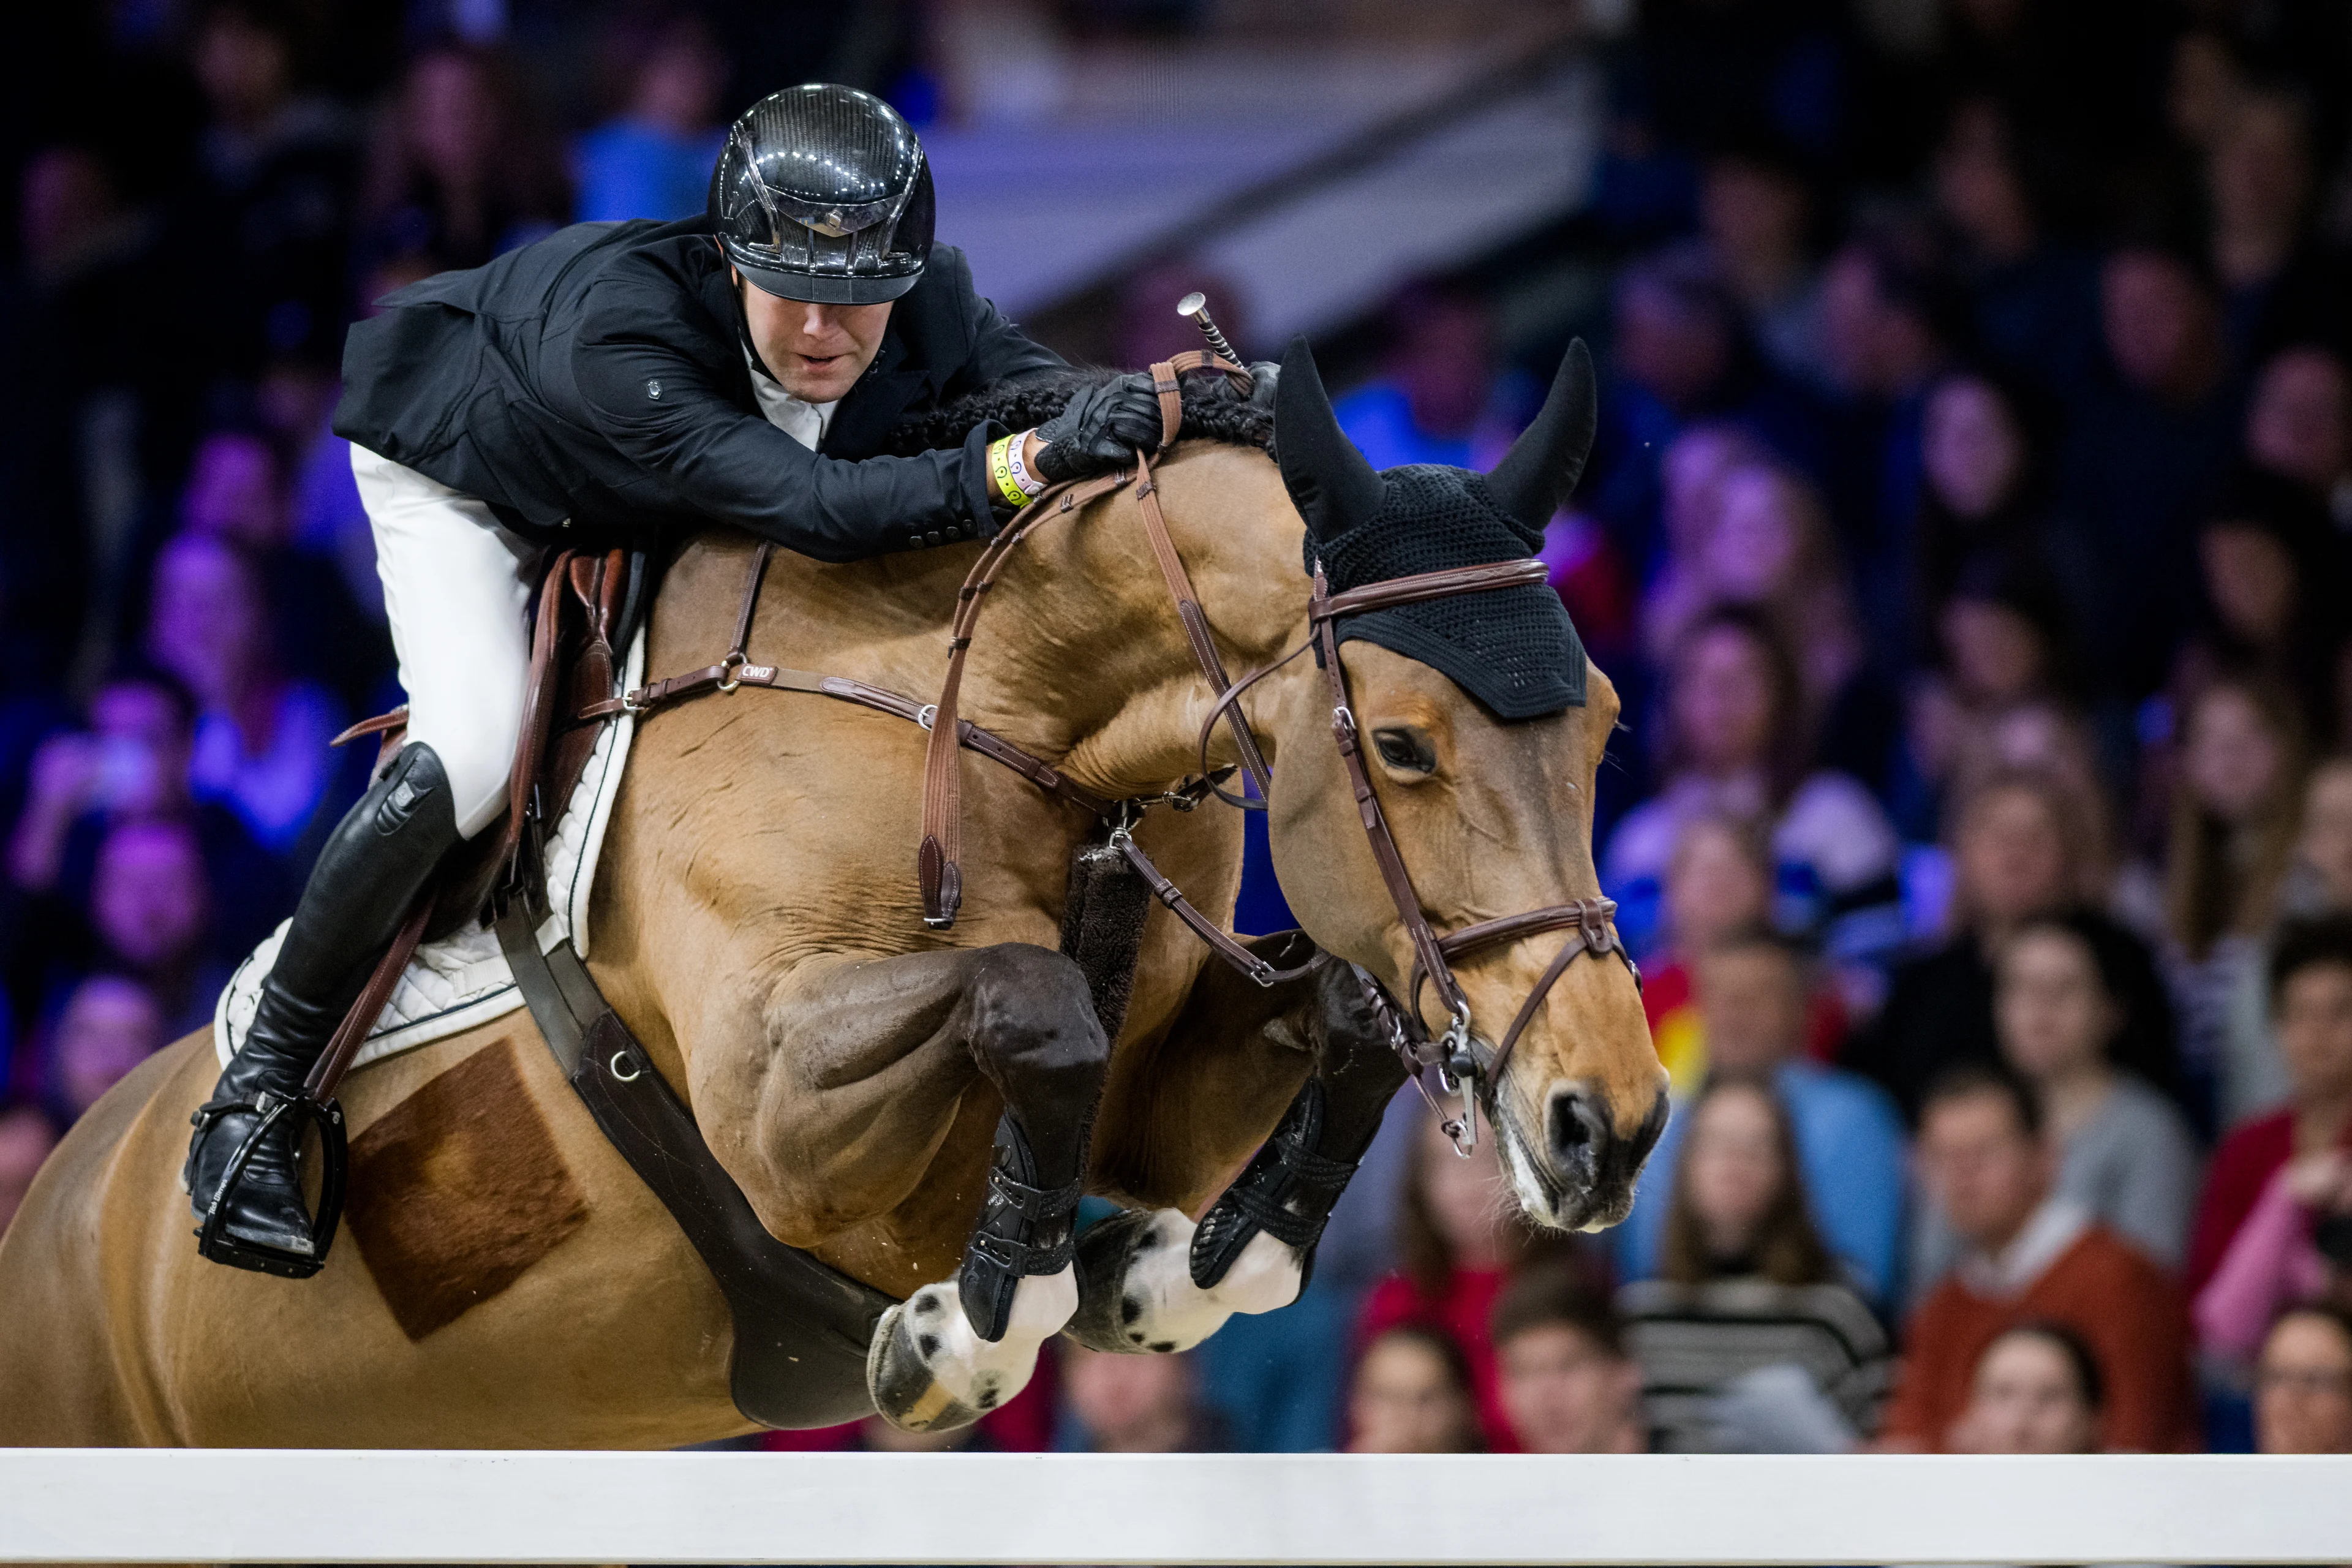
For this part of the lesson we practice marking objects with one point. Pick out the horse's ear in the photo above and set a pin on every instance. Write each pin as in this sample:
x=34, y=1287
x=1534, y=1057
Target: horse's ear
x=1329, y=480
x=1540, y=470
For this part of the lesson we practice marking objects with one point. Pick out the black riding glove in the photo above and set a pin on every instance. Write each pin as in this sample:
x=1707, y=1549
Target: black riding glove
x=1263, y=375
x=1103, y=428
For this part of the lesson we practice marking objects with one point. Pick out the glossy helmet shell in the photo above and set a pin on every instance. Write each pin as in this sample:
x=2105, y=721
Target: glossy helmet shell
x=822, y=192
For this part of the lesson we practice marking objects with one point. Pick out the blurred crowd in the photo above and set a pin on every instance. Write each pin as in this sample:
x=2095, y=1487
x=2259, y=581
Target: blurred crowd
x=1968, y=535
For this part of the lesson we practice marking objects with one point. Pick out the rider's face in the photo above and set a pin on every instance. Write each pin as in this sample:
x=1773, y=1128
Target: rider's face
x=816, y=352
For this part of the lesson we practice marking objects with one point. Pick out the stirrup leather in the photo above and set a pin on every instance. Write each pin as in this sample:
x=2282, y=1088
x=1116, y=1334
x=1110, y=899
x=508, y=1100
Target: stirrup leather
x=214, y=1240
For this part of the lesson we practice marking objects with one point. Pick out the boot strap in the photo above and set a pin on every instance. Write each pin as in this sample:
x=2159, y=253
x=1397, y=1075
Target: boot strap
x=1034, y=1204
x=1020, y=1259
x=261, y=1102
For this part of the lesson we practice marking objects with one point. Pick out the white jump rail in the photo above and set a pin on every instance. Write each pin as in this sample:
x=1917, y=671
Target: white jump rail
x=79, y=1505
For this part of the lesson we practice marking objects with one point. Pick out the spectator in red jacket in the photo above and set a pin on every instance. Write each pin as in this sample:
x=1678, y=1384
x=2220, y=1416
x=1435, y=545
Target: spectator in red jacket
x=2311, y=1009
x=2031, y=1258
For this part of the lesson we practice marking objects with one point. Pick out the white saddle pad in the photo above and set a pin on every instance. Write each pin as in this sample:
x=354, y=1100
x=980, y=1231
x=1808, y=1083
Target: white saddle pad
x=463, y=980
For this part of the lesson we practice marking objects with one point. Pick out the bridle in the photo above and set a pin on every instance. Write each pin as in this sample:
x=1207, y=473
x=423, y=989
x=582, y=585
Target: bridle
x=1453, y=1059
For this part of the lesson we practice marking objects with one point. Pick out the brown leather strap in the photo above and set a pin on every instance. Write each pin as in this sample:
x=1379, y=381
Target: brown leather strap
x=1196, y=623
x=1199, y=925
x=383, y=723
x=1171, y=393
x=1368, y=808
x=538, y=709
x=1591, y=919
x=1447, y=584
x=1167, y=383
x=1224, y=704
x=1592, y=915
x=938, y=858
x=751, y=586
x=1492, y=1070
x=1201, y=359
x=987, y=742
x=327, y=1072
x=1596, y=934
x=725, y=676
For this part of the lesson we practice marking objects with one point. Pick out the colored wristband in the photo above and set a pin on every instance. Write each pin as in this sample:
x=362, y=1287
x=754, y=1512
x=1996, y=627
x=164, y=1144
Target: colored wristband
x=1031, y=485
x=1000, y=473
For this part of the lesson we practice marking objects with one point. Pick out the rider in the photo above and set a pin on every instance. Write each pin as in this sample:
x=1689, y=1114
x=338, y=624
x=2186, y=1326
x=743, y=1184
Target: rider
x=744, y=367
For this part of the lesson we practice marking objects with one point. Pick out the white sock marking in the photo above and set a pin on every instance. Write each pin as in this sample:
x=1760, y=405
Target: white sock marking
x=971, y=1369
x=1177, y=1314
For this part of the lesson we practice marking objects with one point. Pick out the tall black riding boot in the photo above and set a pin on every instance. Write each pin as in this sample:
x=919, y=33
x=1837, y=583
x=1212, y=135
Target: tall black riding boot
x=367, y=876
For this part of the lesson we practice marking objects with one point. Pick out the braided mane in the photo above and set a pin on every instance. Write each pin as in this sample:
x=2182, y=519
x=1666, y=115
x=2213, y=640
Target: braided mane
x=1213, y=411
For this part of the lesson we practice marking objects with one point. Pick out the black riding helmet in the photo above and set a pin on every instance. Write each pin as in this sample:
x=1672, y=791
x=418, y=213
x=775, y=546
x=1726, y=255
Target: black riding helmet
x=822, y=194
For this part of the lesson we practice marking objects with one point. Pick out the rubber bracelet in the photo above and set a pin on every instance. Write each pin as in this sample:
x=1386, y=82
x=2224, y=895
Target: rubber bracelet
x=1031, y=485
x=1000, y=471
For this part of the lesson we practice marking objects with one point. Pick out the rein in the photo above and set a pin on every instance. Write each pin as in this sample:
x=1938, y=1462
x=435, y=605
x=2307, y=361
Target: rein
x=1460, y=1067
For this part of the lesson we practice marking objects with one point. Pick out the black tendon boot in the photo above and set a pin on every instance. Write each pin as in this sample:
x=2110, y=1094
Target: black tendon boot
x=367, y=876
x=1288, y=1190
x=1023, y=1229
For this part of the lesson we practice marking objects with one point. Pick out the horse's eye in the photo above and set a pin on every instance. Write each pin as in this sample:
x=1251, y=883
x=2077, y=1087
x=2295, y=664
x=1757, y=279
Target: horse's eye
x=1402, y=749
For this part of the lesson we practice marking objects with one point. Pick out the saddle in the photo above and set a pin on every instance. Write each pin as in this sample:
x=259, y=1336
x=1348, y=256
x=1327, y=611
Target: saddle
x=588, y=606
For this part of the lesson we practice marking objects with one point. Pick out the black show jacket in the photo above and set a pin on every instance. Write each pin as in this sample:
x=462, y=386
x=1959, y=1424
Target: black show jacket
x=598, y=379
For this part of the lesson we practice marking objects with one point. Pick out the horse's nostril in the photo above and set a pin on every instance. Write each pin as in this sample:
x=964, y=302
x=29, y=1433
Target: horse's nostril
x=1576, y=1129
x=1645, y=1137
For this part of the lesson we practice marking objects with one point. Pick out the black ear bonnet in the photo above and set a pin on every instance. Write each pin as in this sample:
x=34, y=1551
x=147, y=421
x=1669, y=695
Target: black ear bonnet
x=1513, y=649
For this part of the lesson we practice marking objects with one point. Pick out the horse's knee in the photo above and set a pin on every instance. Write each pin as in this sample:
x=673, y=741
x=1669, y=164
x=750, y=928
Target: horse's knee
x=1031, y=1005
x=1035, y=1032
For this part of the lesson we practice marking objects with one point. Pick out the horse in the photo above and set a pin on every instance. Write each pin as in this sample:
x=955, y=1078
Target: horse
x=759, y=927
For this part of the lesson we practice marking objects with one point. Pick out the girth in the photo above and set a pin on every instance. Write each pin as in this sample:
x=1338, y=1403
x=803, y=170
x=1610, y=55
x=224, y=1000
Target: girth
x=802, y=1327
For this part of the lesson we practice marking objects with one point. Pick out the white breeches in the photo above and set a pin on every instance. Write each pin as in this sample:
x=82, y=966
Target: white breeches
x=456, y=587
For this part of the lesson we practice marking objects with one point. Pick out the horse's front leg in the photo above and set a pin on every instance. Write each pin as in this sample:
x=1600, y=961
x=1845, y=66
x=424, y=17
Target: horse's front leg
x=1151, y=1278
x=1024, y=1019
x=875, y=1060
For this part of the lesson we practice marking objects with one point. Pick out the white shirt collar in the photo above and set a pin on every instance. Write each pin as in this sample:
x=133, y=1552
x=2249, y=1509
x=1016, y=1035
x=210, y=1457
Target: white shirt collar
x=2056, y=1226
x=804, y=422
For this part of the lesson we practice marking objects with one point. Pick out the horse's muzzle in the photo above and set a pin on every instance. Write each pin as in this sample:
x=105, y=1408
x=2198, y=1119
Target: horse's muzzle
x=1573, y=1167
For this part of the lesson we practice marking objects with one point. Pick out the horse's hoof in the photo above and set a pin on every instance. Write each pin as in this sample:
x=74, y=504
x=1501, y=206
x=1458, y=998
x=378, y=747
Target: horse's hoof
x=899, y=1376
x=1103, y=1321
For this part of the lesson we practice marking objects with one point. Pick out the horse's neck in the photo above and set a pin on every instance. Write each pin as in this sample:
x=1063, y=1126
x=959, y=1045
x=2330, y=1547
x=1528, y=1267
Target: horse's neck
x=1083, y=654
x=1078, y=655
